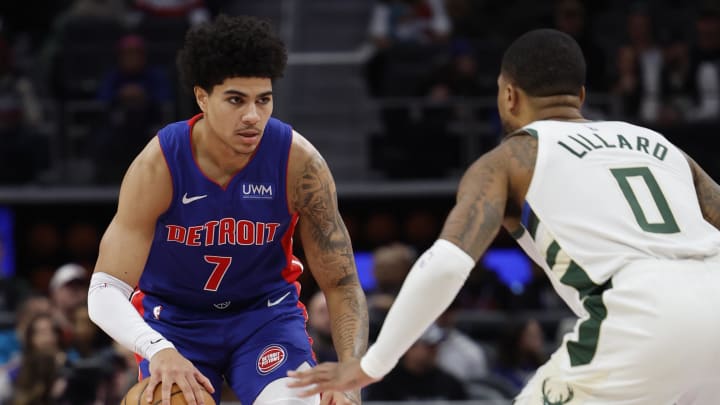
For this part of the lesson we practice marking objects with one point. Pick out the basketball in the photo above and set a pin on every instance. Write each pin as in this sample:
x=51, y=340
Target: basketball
x=135, y=395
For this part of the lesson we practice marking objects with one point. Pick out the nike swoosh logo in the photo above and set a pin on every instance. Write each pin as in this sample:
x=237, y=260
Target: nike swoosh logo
x=277, y=301
x=152, y=342
x=188, y=200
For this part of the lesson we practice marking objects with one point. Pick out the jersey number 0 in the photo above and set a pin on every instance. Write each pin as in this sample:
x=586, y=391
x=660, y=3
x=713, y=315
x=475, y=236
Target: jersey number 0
x=639, y=181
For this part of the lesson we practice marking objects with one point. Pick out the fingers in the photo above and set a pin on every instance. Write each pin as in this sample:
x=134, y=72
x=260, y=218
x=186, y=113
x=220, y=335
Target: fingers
x=165, y=390
x=190, y=389
x=321, y=373
x=150, y=388
x=205, y=382
x=314, y=390
x=325, y=398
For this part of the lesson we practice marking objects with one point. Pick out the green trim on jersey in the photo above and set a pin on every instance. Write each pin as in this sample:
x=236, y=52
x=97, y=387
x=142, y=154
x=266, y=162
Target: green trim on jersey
x=529, y=219
x=518, y=233
x=583, y=350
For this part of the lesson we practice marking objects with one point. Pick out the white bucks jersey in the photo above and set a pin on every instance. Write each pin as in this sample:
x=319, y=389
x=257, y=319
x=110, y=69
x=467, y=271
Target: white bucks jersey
x=604, y=194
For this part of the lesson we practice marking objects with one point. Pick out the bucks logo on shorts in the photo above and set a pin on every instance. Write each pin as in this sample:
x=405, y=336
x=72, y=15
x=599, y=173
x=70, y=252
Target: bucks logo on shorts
x=565, y=395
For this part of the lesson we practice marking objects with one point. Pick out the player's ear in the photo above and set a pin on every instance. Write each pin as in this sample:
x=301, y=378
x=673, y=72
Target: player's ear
x=582, y=95
x=512, y=97
x=201, y=97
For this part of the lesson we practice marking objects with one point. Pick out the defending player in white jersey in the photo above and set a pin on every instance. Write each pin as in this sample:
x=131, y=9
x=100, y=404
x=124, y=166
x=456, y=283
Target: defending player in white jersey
x=624, y=224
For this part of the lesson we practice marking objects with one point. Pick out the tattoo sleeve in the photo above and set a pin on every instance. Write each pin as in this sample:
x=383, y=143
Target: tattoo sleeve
x=708, y=193
x=484, y=192
x=329, y=253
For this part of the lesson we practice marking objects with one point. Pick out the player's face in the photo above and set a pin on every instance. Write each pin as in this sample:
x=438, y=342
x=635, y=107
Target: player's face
x=237, y=111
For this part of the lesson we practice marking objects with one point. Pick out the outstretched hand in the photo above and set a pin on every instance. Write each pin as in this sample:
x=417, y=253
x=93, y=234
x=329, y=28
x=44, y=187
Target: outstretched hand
x=328, y=377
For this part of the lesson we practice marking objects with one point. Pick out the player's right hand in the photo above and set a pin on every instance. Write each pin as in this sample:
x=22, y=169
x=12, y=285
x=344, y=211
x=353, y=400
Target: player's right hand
x=169, y=367
x=325, y=377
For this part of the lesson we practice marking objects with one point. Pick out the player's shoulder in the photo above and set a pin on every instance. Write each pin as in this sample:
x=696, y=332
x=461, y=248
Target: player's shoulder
x=150, y=164
x=301, y=148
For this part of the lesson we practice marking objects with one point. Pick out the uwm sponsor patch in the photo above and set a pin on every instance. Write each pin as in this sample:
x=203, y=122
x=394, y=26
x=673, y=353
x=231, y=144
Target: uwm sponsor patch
x=258, y=191
x=271, y=358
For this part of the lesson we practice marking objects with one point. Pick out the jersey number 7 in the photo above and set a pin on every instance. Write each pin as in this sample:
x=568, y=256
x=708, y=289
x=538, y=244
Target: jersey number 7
x=222, y=264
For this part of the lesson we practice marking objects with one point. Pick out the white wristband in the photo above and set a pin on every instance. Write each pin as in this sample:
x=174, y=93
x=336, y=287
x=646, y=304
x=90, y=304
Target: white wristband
x=109, y=307
x=430, y=287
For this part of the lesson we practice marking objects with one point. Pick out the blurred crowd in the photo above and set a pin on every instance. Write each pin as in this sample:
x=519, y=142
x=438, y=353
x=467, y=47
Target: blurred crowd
x=99, y=76
x=485, y=346
x=85, y=83
x=436, y=62
x=52, y=353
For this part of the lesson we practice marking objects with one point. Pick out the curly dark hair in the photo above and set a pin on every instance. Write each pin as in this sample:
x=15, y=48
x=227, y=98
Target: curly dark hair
x=237, y=46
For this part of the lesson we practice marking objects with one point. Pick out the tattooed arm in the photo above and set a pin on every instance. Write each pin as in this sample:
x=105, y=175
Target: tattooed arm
x=491, y=190
x=708, y=193
x=328, y=248
x=498, y=177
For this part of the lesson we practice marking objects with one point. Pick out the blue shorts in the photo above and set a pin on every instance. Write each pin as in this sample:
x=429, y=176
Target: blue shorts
x=250, y=348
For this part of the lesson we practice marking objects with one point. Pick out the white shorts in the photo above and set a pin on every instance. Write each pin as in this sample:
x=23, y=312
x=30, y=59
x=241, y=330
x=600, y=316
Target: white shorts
x=659, y=342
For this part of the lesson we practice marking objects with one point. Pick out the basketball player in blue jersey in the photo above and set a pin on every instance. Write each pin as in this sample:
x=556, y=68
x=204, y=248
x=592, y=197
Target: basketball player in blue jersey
x=624, y=224
x=204, y=228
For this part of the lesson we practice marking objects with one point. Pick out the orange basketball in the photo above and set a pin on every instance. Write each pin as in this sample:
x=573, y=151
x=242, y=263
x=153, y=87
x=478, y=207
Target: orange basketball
x=135, y=395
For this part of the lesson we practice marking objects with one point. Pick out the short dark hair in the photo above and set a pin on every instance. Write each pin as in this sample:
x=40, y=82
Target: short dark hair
x=238, y=46
x=545, y=62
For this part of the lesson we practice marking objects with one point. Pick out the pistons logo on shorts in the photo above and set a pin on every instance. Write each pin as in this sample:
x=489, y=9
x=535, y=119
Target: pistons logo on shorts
x=271, y=358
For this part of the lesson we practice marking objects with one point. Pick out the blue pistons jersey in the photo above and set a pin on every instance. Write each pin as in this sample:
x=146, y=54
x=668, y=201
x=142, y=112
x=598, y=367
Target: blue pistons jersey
x=220, y=278
x=221, y=247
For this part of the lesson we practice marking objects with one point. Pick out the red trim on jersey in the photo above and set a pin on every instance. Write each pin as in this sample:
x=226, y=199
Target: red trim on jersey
x=191, y=123
x=287, y=172
x=291, y=272
x=136, y=299
x=302, y=308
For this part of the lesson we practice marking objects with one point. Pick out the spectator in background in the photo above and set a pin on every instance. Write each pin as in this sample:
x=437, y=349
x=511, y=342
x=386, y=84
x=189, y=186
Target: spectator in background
x=194, y=10
x=639, y=64
x=570, y=18
x=92, y=363
x=391, y=264
x=677, y=82
x=38, y=379
x=319, y=328
x=68, y=291
x=706, y=67
x=417, y=375
x=458, y=354
x=11, y=339
x=520, y=351
x=22, y=152
x=458, y=78
x=133, y=82
x=139, y=98
x=408, y=21
x=397, y=23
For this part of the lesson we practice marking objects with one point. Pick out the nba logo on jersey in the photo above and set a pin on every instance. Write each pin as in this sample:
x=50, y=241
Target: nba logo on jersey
x=156, y=311
x=270, y=358
x=257, y=191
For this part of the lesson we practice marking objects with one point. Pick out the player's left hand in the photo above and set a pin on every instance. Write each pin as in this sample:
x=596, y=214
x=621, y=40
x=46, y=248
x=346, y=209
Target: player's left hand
x=331, y=377
x=340, y=398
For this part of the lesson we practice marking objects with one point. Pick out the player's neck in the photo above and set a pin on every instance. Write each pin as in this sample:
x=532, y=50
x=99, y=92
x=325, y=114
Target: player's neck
x=561, y=108
x=214, y=156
